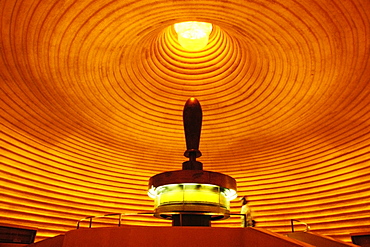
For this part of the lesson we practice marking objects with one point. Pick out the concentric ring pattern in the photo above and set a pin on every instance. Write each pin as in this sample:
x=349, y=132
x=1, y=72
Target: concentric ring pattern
x=92, y=94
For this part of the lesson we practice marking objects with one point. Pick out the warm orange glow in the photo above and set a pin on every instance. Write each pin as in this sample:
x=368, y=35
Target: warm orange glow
x=91, y=101
x=193, y=35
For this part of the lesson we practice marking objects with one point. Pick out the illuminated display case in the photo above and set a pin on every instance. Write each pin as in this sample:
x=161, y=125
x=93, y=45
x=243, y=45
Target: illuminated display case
x=185, y=197
x=195, y=192
x=192, y=196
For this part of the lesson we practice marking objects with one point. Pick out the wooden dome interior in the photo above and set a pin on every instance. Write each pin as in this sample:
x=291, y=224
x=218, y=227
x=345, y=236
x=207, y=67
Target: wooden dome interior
x=92, y=94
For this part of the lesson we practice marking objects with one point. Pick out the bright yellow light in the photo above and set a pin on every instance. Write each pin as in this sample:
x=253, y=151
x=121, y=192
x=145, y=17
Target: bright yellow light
x=191, y=192
x=193, y=35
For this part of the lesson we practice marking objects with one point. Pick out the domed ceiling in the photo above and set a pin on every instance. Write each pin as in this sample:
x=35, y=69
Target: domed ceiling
x=92, y=94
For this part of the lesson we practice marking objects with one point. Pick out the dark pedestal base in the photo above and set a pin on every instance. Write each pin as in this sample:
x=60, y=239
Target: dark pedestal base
x=191, y=220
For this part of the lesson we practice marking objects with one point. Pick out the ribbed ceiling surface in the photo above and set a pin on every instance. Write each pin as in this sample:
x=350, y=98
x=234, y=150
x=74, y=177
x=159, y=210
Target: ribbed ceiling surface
x=92, y=94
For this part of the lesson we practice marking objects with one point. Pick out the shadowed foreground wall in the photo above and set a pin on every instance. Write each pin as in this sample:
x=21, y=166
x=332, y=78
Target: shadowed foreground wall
x=92, y=95
x=172, y=236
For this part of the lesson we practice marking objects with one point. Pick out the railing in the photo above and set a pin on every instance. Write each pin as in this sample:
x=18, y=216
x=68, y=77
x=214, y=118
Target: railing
x=292, y=224
x=120, y=215
x=90, y=218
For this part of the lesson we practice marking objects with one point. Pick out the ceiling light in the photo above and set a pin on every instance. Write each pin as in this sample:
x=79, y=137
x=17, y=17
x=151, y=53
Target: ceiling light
x=193, y=35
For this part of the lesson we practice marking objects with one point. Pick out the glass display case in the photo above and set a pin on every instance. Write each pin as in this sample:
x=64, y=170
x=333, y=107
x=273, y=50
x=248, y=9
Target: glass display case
x=192, y=197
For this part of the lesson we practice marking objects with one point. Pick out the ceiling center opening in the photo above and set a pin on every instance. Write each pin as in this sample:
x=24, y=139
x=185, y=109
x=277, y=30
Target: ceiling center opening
x=193, y=35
